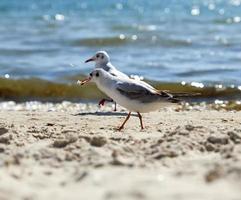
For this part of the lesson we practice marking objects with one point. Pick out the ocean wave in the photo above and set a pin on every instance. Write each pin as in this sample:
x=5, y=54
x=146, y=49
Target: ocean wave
x=192, y=72
x=97, y=42
x=22, y=52
x=123, y=40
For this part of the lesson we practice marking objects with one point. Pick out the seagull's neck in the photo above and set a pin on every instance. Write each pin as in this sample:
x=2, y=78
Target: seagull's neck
x=105, y=83
x=105, y=66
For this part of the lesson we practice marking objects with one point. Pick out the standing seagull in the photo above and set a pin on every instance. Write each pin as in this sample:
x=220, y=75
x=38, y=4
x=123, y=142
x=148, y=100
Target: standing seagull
x=131, y=94
x=102, y=60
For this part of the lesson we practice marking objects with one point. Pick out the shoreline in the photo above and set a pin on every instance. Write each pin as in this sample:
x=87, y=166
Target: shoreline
x=30, y=89
x=74, y=151
x=93, y=105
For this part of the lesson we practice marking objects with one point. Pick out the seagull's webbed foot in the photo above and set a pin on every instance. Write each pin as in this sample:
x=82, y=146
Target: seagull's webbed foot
x=119, y=128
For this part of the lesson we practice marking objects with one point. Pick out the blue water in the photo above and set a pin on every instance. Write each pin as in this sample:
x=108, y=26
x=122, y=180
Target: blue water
x=166, y=40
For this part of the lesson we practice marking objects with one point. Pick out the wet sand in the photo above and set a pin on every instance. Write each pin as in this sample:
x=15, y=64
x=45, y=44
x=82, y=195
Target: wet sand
x=72, y=151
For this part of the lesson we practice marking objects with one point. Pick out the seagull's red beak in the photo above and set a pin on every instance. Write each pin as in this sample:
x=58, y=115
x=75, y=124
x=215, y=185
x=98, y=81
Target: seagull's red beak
x=85, y=81
x=89, y=60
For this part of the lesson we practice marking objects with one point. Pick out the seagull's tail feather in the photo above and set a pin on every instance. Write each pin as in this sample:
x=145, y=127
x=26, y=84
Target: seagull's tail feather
x=174, y=97
x=177, y=94
x=183, y=94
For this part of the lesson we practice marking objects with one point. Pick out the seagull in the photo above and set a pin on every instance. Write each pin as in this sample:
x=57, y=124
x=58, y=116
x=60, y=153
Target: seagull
x=102, y=60
x=131, y=94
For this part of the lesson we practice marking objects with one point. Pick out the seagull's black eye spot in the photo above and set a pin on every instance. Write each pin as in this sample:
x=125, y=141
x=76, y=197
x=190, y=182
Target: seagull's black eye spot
x=102, y=57
x=97, y=74
x=91, y=74
x=97, y=56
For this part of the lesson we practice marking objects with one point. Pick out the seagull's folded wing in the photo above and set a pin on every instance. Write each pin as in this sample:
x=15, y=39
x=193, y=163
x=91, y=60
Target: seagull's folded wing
x=140, y=93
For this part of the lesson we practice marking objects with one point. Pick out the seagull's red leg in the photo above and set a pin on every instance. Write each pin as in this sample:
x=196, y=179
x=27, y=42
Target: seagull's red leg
x=122, y=126
x=102, y=102
x=140, y=117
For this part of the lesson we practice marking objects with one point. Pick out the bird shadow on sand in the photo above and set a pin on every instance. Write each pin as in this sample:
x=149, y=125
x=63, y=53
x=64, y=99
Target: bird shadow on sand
x=103, y=114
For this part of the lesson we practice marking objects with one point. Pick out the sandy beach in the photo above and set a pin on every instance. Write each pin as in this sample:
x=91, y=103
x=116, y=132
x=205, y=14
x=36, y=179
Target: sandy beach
x=72, y=151
x=56, y=143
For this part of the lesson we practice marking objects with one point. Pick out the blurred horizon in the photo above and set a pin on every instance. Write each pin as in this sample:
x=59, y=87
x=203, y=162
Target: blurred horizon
x=177, y=41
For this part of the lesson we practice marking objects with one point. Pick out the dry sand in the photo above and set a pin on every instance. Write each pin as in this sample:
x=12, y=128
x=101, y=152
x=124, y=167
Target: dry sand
x=70, y=151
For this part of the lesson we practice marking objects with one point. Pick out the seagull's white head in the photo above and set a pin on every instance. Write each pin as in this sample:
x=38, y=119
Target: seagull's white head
x=100, y=58
x=96, y=76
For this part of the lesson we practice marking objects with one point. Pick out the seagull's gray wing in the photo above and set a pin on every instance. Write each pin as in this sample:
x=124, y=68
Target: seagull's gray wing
x=138, y=92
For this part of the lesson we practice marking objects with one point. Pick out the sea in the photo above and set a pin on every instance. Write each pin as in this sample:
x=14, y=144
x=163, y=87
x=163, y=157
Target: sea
x=172, y=43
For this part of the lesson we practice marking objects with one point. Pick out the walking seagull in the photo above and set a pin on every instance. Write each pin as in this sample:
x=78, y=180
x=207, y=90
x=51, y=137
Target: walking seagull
x=134, y=95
